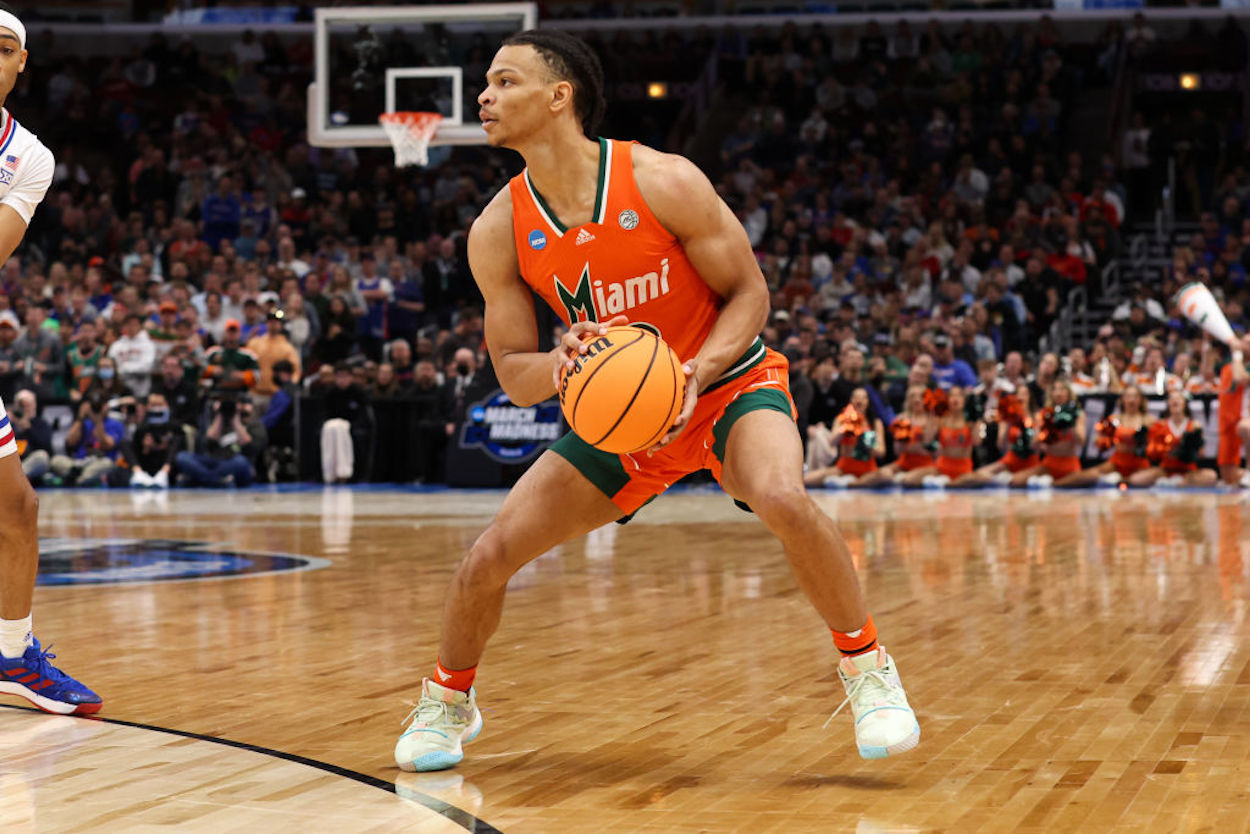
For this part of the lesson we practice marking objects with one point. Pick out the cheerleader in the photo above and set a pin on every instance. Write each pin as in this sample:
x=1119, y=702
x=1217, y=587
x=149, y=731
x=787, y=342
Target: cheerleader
x=860, y=440
x=1060, y=436
x=1016, y=441
x=1173, y=445
x=1124, y=432
x=913, y=432
x=955, y=438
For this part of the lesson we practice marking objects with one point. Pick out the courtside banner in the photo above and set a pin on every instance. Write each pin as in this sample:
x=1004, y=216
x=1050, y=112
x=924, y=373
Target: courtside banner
x=510, y=433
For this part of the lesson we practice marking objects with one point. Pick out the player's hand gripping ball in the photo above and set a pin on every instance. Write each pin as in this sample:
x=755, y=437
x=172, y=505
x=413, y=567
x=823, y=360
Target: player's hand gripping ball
x=624, y=393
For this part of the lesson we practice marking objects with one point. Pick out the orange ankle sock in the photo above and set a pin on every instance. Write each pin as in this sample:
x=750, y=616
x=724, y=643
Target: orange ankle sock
x=461, y=679
x=856, y=642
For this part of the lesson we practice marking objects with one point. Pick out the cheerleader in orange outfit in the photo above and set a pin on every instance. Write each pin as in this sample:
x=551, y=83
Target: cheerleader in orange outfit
x=859, y=439
x=955, y=438
x=1173, y=445
x=1060, y=436
x=913, y=432
x=1124, y=432
x=1016, y=441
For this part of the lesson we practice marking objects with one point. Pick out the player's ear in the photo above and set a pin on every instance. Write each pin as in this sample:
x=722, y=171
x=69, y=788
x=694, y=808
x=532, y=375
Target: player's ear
x=561, y=96
x=22, y=66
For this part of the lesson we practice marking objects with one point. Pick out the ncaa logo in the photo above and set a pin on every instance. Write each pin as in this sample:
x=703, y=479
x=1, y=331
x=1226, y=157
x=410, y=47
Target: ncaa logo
x=537, y=239
x=6, y=176
x=628, y=219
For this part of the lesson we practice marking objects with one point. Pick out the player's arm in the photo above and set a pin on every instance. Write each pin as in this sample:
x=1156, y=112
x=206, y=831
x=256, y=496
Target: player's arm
x=25, y=195
x=527, y=375
x=684, y=201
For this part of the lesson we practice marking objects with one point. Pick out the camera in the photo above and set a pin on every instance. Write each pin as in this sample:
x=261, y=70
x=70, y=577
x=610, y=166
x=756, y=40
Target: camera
x=17, y=413
x=226, y=402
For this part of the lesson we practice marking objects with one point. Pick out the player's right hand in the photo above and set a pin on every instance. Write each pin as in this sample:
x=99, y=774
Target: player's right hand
x=573, y=343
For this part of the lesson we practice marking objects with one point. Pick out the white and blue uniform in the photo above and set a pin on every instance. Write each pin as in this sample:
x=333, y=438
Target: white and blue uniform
x=26, y=168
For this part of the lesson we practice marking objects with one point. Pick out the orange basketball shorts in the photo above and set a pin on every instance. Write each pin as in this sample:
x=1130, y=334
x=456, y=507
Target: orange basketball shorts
x=634, y=479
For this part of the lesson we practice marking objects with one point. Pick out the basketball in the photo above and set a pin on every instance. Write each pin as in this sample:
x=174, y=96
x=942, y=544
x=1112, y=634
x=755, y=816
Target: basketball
x=624, y=393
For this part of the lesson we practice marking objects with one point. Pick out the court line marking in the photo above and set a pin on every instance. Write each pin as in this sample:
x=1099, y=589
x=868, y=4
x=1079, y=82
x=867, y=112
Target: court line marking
x=446, y=810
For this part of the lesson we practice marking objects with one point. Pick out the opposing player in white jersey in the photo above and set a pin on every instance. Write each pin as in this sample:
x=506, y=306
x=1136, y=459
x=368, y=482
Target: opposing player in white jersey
x=26, y=167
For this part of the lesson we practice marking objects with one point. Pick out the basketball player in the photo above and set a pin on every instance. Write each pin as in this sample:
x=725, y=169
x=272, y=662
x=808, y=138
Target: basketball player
x=606, y=231
x=26, y=167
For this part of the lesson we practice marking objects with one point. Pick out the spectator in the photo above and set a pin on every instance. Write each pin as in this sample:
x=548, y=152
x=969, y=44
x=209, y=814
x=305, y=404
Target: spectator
x=463, y=386
x=270, y=347
x=377, y=292
x=178, y=391
x=948, y=371
x=92, y=444
x=33, y=435
x=229, y=446
x=107, y=382
x=135, y=356
x=279, y=421
x=39, y=348
x=230, y=366
x=155, y=444
x=339, y=339
x=347, y=419
x=84, y=357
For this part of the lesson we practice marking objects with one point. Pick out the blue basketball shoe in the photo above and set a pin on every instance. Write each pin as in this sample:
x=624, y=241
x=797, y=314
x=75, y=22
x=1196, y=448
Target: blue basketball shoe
x=33, y=677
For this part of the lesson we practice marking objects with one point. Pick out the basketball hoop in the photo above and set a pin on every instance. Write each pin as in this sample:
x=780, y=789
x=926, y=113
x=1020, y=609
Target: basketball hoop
x=410, y=133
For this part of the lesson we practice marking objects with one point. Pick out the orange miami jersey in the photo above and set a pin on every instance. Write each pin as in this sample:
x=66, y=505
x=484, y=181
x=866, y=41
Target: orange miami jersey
x=623, y=262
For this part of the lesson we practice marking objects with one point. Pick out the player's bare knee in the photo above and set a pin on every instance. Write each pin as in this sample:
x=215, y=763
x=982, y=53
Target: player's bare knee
x=782, y=507
x=487, y=563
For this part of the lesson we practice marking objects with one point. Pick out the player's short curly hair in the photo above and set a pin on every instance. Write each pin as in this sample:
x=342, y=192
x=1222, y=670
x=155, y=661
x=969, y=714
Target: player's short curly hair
x=570, y=59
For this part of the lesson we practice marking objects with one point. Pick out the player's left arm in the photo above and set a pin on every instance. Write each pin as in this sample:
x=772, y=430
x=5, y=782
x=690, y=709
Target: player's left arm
x=18, y=206
x=684, y=201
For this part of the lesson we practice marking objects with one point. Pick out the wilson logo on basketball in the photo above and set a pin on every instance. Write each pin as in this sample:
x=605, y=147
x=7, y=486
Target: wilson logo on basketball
x=593, y=349
x=594, y=300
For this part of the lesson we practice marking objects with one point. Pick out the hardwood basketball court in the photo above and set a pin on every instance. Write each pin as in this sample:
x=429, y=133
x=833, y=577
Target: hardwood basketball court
x=1077, y=662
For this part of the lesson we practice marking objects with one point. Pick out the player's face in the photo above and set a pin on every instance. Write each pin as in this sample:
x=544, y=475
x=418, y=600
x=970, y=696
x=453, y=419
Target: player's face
x=12, y=60
x=518, y=96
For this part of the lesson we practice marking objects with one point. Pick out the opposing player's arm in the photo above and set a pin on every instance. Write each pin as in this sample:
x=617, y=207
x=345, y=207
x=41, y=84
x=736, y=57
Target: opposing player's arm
x=684, y=201
x=18, y=206
x=511, y=328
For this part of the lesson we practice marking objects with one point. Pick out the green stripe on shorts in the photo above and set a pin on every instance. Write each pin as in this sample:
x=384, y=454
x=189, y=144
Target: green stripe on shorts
x=761, y=399
x=602, y=469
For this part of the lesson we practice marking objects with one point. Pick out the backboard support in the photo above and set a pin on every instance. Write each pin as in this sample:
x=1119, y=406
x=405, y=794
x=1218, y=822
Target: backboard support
x=364, y=55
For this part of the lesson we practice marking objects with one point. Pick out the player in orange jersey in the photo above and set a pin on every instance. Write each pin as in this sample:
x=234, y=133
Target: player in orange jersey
x=607, y=231
x=26, y=669
x=1234, y=391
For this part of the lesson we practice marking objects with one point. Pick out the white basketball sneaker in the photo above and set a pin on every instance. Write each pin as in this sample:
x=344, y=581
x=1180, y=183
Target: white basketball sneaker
x=442, y=721
x=885, y=724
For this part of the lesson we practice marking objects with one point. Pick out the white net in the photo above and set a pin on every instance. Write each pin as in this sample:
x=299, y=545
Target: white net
x=410, y=134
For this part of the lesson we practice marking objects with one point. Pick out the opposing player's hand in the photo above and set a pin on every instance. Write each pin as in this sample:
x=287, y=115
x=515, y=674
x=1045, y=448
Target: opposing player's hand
x=687, y=407
x=574, y=343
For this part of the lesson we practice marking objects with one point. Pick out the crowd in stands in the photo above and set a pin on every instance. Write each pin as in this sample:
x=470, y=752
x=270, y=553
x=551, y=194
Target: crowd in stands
x=197, y=267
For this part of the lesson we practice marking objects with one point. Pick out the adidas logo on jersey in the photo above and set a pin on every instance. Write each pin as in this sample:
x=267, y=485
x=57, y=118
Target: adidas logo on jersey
x=583, y=236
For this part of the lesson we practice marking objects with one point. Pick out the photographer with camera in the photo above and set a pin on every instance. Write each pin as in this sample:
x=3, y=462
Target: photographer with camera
x=91, y=444
x=229, y=447
x=156, y=443
x=33, y=434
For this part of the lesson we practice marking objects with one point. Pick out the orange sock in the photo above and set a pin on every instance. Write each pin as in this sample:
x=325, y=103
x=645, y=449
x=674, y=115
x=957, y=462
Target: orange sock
x=861, y=640
x=461, y=679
